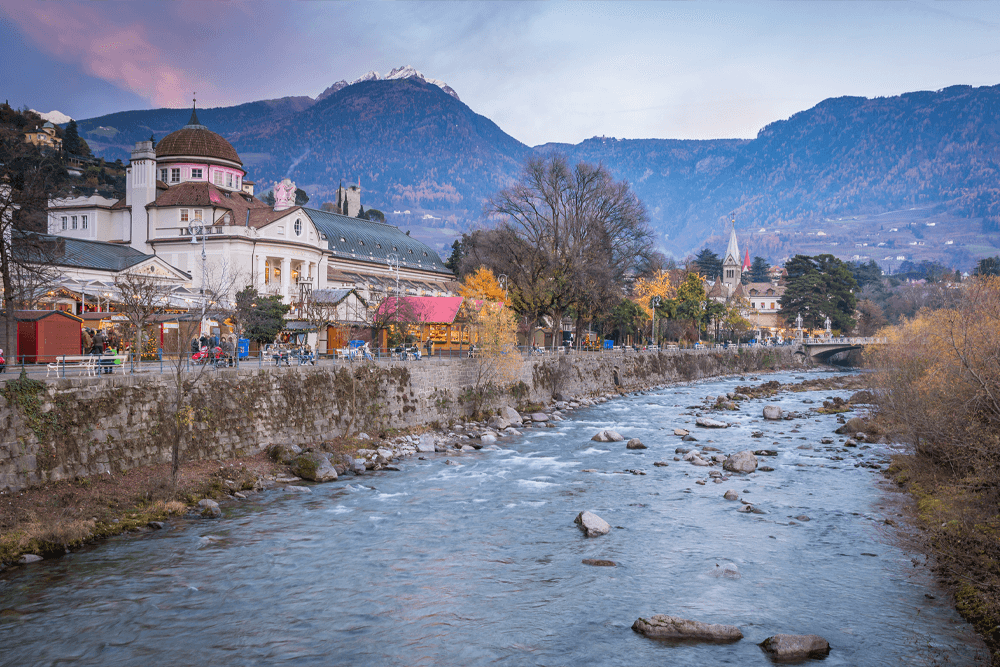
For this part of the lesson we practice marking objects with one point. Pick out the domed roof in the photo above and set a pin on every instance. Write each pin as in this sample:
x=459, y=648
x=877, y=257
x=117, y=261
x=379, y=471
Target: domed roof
x=194, y=139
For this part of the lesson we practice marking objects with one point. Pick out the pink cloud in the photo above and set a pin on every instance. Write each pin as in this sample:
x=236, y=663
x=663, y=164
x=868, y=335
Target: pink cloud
x=108, y=46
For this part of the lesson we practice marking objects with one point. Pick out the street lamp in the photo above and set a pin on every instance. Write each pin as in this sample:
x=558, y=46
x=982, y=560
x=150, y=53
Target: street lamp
x=197, y=229
x=654, y=303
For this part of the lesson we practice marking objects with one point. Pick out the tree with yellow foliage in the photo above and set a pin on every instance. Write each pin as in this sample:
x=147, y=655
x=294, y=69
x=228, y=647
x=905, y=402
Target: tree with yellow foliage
x=482, y=285
x=645, y=289
x=497, y=360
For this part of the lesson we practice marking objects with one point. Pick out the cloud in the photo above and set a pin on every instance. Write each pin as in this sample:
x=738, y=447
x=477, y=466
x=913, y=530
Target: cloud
x=111, y=47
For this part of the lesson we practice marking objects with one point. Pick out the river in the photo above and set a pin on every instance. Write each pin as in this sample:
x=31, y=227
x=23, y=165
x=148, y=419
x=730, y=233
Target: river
x=480, y=563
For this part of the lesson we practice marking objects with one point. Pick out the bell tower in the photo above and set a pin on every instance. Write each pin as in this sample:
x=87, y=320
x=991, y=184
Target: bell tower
x=731, y=272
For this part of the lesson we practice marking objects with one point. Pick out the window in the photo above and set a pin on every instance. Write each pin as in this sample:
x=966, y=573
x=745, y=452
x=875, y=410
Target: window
x=229, y=180
x=163, y=175
x=73, y=221
x=196, y=174
x=218, y=178
x=197, y=214
x=184, y=215
x=772, y=305
x=729, y=273
x=342, y=239
x=237, y=182
x=378, y=245
x=83, y=222
x=65, y=221
x=360, y=242
x=175, y=175
x=298, y=227
x=425, y=254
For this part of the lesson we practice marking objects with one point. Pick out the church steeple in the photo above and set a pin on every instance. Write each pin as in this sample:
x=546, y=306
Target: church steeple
x=731, y=273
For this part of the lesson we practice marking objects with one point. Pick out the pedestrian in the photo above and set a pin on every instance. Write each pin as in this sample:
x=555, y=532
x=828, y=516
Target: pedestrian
x=194, y=346
x=86, y=340
x=97, y=345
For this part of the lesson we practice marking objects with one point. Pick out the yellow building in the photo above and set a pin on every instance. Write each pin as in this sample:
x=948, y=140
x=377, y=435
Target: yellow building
x=44, y=136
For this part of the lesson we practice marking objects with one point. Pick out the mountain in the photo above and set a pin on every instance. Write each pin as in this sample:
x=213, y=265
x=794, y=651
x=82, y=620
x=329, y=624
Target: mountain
x=54, y=117
x=834, y=178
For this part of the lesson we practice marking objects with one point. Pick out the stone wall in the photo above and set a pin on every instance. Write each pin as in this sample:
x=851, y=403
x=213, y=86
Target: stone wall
x=74, y=428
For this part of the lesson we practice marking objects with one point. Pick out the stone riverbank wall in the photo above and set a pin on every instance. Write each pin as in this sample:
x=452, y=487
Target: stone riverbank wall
x=78, y=427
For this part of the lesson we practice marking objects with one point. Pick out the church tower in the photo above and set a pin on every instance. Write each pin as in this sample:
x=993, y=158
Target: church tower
x=731, y=262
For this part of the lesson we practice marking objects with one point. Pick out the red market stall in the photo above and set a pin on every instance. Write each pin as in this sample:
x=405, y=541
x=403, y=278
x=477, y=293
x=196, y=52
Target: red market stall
x=45, y=335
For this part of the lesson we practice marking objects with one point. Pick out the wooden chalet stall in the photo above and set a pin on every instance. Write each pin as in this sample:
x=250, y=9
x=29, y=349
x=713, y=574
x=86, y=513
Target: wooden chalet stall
x=441, y=319
x=45, y=335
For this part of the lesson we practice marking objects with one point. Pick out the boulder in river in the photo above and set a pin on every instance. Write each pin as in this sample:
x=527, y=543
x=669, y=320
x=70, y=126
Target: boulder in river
x=209, y=508
x=608, y=435
x=853, y=425
x=795, y=647
x=487, y=438
x=635, y=443
x=731, y=495
x=744, y=462
x=599, y=562
x=314, y=467
x=673, y=627
x=772, y=412
x=681, y=431
x=29, y=558
x=706, y=422
x=591, y=524
x=499, y=423
x=539, y=417
x=426, y=444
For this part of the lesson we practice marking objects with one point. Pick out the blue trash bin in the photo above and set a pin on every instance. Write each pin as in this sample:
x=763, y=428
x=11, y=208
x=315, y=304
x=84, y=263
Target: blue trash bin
x=243, y=348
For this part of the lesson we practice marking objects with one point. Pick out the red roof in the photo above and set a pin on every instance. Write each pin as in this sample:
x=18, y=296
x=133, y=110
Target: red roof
x=428, y=309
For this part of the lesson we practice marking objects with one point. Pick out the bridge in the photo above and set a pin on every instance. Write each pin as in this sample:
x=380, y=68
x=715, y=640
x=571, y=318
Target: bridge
x=824, y=348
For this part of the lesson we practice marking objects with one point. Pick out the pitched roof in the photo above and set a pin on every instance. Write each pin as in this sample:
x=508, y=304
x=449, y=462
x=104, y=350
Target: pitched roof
x=202, y=193
x=79, y=253
x=429, y=309
x=371, y=241
x=35, y=315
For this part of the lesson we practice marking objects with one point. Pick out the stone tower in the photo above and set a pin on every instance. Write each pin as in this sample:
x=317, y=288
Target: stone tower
x=731, y=263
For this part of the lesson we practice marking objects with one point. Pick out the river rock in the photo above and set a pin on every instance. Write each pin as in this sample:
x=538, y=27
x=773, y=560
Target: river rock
x=314, y=467
x=539, y=417
x=209, y=509
x=660, y=464
x=358, y=466
x=591, y=524
x=689, y=438
x=511, y=415
x=635, y=443
x=608, y=435
x=744, y=462
x=499, y=423
x=853, y=425
x=284, y=453
x=487, y=438
x=731, y=495
x=698, y=461
x=672, y=627
x=706, y=422
x=727, y=571
x=795, y=647
x=681, y=431
x=599, y=562
x=29, y=558
x=426, y=444
x=772, y=412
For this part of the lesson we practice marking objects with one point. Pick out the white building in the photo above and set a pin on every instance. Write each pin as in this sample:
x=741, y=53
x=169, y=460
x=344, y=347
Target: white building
x=188, y=197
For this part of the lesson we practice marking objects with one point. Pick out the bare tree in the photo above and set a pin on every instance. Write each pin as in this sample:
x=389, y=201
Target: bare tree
x=28, y=177
x=139, y=295
x=566, y=231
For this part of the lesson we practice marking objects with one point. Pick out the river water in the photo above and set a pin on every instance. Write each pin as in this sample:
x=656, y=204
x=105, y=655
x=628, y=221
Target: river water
x=480, y=563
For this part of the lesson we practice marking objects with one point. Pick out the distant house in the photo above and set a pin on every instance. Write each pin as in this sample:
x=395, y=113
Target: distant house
x=44, y=136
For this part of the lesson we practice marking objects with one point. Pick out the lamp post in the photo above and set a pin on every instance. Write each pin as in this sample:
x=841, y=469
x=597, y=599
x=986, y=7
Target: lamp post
x=197, y=229
x=654, y=304
x=392, y=261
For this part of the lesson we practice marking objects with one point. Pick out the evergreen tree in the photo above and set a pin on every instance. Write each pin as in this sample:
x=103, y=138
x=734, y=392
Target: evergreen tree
x=263, y=317
x=361, y=213
x=301, y=198
x=988, y=266
x=73, y=143
x=817, y=288
x=866, y=273
x=759, y=271
x=709, y=264
x=457, y=253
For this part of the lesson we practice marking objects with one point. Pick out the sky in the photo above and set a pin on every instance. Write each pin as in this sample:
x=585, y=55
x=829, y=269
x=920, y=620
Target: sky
x=542, y=71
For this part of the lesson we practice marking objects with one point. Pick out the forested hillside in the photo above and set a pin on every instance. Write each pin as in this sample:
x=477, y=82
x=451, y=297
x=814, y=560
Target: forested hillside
x=918, y=158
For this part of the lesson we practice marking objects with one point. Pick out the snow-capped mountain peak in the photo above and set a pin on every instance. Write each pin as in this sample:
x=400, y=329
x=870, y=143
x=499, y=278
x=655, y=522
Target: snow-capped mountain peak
x=405, y=72
x=54, y=117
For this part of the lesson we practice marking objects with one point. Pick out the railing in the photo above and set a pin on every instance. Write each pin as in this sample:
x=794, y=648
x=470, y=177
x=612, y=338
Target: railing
x=57, y=367
x=846, y=340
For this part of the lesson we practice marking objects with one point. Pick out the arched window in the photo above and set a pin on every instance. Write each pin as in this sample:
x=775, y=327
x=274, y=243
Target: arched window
x=298, y=226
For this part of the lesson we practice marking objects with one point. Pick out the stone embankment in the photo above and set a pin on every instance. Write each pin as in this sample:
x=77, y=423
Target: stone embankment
x=83, y=427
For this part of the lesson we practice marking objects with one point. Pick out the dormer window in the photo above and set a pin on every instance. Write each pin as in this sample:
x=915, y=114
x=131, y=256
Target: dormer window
x=298, y=227
x=196, y=174
x=343, y=240
x=360, y=242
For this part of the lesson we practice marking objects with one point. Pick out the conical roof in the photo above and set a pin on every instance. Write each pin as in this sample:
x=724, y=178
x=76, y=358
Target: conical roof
x=733, y=250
